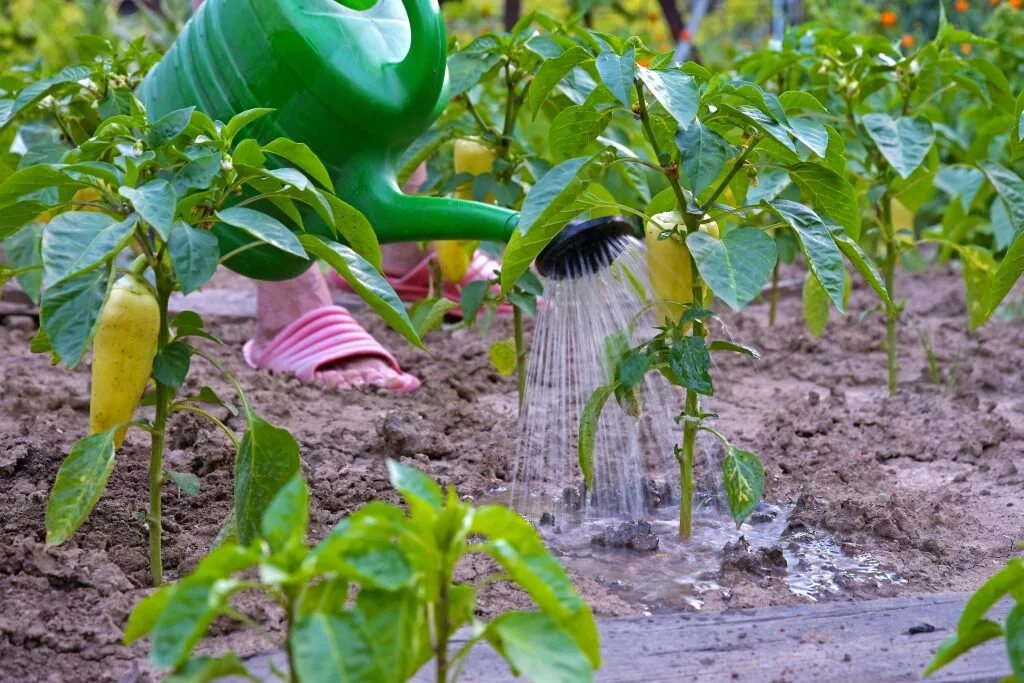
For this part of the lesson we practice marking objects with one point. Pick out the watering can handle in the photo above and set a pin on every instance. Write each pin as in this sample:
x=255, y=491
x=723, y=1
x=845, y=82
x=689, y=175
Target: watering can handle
x=424, y=66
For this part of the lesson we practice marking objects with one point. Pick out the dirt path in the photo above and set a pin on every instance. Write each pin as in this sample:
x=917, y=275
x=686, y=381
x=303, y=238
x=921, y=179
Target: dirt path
x=928, y=482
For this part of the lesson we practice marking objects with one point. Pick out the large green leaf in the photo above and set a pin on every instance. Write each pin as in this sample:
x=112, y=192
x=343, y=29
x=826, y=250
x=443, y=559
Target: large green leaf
x=549, y=206
x=590, y=420
x=332, y=647
x=467, y=66
x=205, y=669
x=675, y=91
x=70, y=310
x=1015, y=640
x=287, y=516
x=241, y=120
x=823, y=256
x=78, y=241
x=979, y=268
x=765, y=123
x=80, y=482
x=14, y=217
x=155, y=202
x=394, y=622
x=32, y=179
x=419, y=491
x=961, y=182
x=574, y=128
x=537, y=647
x=829, y=193
x=190, y=608
x=812, y=134
x=855, y=254
x=551, y=72
x=264, y=228
x=36, y=91
x=1010, y=188
x=514, y=543
x=303, y=158
x=904, y=141
x=816, y=306
x=743, y=479
x=197, y=174
x=267, y=459
x=690, y=364
x=1008, y=272
x=737, y=266
x=24, y=252
x=617, y=73
x=169, y=126
x=703, y=153
x=365, y=281
x=957, y=644
x=356, y=230
x=194, y=255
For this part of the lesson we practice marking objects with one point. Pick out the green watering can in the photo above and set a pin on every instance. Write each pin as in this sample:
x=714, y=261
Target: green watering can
x=355, y=80
x=357, y=84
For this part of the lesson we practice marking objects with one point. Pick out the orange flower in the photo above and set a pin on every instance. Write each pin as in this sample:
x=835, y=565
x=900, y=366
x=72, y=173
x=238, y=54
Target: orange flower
x=966, y=48
x=644, y=61
x=888, y=18
x=993, y=2
x=961, y=5
x=684, y=35
x=1015, y=4
x=907, y=40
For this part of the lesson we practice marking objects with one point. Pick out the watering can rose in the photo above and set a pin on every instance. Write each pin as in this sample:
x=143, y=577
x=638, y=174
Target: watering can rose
x=669, y=263
x=122, y=354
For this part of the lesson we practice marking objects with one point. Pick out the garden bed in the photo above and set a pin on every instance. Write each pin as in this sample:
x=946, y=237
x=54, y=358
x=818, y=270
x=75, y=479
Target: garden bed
x=927, y=483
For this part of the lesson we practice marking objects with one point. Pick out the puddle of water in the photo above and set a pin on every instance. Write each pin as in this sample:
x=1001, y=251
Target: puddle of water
x=682, y=572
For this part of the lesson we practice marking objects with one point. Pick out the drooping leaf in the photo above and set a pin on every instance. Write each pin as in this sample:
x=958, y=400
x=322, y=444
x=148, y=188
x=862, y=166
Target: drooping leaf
x=70, y=310
x=590, y=419
x=155, y=202
x=551, y=72
x=194, y=255
x=617, y=73
x=537, y=647
x=829, y=193
x=816, y=308
x=743, y=479
x=855, y=254
x=169, y=126
x=264, y=228
x=332, y=647
x=80, y=482
x=574, y=128
x=303, y=157
x=823, y=256
x=737, y=266
x=903, y=141
x=674, y=90
x=703, y=153
x=267, y=459
x=77, y=241
x=287, y=516
x=690, y=364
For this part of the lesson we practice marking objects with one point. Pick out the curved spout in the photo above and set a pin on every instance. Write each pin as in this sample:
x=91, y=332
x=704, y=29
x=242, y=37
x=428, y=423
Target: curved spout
x=423, y=69
x=407, y=218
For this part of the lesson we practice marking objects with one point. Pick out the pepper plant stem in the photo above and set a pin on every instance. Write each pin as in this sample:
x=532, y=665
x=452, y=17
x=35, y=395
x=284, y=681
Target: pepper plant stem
x=685, y=457
x=156, y=453
x=774, y=299
x=442, y=626
x=891, y=318
x=517, y=323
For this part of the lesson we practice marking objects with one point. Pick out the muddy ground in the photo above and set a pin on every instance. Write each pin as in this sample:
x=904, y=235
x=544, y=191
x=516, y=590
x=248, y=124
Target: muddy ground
x=929, y=482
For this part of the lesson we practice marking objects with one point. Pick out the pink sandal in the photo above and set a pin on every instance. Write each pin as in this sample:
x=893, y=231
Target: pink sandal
x=323, y=335
x=415, y=284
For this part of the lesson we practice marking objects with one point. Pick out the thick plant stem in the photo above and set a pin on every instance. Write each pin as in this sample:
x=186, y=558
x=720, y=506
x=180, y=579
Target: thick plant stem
x=773, y=301
x=517, y=323
x=293, y=673
x=891, y=317
x=156, y=453
x=685, y=457
x=441, y=629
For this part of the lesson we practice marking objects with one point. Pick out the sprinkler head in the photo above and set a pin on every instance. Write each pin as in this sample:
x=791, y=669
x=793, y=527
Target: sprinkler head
x=584, y=247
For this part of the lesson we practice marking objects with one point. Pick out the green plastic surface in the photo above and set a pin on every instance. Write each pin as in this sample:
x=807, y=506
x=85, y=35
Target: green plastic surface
x=356, y=85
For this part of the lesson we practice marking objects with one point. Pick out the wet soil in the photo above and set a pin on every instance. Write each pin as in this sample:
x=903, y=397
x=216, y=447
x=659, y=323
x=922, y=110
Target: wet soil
x=928, y=482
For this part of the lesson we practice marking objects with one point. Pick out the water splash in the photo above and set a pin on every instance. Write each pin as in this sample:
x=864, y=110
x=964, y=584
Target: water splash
x=579, y=314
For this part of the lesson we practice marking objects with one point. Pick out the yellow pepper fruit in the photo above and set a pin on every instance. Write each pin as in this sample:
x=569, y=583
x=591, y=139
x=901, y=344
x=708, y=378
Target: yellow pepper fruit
x=475, y=158
x=122, y=354
x=669, y=264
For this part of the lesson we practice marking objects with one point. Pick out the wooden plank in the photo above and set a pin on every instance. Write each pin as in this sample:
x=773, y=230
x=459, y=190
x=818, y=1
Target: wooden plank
x=857, y=642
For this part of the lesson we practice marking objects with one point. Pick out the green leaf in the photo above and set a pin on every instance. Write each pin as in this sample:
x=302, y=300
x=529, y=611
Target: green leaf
x=356, y=230
x=190, y=608
x=155, y=202
x=674, y=90
x=145, y=614
x=194, y=255
x=617, y=73
x=823, y=256
x=961, y=182
x=394, y=622
x=287, y=516
x=240, y=121
x=537, y=647
x=1010, y=188
x=264, y=228
x=829, y=193
x=737, y=266
x=471, y=299
x=632, y=368
x=743, y=479
x=77, y=241
x=14, y=217
x=24, y=254
x=1015, y=640
x=812, y=134
x=186, y=481
x=36, y=91
x=690, y=363
x=736, y=347
x=169, y=126
x=764, y=123
x=467, y=66
x=303, y=157
x=267, y=459
x=590, y=420
x=549, y=206
x=332, y=647
x=80, y=482
x=428, y=315
x=514, y=543
x=798, y=99
x=816, y=309
x=992, y=591
x=551, y=72
x=29, y=181
x=197, y=174
x=170, y=366
x=574, y=128
x=703, y=153
x=418, y=490
x=979, y=269
x=70, y=310
x=206, y=669
x=956, y=645
x=365, y=281
x=904, y=142
x=862, y=263
x=1008, y=272
x=503, y=356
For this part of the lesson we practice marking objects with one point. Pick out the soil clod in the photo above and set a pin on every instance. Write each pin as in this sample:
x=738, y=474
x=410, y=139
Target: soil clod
x=630, y=535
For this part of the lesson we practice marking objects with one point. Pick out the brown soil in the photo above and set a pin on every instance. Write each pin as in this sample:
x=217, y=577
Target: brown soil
x=928, y=481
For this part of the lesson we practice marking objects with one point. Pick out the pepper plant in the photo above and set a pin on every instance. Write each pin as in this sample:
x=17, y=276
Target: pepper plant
x=376, y=599
x=708, y=137
x=127, y=195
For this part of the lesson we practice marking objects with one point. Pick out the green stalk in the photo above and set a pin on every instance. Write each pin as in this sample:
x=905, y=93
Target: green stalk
x=442, y=627
x=517, y=322
x=289, y=610
x=685, y=458
x=773, y=302
x=891, y=315
x=159, y=433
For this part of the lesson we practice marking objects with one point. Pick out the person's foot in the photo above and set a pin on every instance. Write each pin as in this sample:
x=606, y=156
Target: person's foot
x=327, y=347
